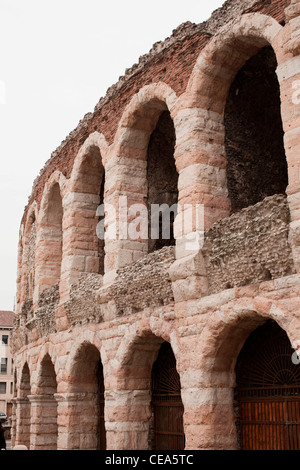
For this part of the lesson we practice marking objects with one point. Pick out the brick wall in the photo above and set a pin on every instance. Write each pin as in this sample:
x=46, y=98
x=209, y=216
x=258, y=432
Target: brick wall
x=177, y=53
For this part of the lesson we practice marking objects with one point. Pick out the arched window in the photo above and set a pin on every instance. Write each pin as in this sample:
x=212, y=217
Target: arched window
x=50, y=239
x=87, y=378
x=268, y=391
x=24, y=409
x=46, y=426
x=255, y=152
x=89, y=185
x=162, y=180
x=101, y=241
x=29, y=255
x=166, y=402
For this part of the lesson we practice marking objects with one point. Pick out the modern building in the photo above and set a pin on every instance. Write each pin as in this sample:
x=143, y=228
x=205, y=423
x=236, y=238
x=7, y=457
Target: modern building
x=6, y=365
x=128, y=338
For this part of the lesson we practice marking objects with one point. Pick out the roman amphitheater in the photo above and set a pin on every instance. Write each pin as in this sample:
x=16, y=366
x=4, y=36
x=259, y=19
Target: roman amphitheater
x=126, y=341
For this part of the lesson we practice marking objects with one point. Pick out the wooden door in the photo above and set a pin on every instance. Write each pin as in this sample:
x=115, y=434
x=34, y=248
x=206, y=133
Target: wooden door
x=166, y=402
x=268, y=392
x=270, y=423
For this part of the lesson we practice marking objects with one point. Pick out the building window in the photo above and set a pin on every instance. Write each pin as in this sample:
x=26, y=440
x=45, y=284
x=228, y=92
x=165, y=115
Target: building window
x=3, y=365
x=254, y=136
x=11, y=387
x=5, y=339
x=2, y=387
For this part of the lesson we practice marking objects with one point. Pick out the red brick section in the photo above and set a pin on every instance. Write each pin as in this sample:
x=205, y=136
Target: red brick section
x=6, y=318
x=273, y=8
x=180, y=57
x=173, y=65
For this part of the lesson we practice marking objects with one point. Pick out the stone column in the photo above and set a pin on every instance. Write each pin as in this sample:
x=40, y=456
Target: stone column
x=126, y=186
x=78, y=421
x=292, y=14
x=203, y=196
x=22, y=422
x=80, y=242
x=48, y=258
x=288, y=72
x=208, y=399
x=127, y=419
x=209, y=421
x=43, y=428
x=13, y=421
x=201, y=161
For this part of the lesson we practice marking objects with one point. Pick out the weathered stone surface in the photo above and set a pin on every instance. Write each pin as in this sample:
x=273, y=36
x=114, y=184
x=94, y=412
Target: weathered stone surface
x=144, y=283
x=83, y=307
x=249, y=247
x=92, y=315
x=45, y=313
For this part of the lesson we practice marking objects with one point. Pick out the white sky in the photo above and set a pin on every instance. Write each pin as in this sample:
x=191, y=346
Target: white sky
x=57, y=59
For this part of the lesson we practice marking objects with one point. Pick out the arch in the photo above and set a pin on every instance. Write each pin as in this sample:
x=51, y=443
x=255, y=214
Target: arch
x=50, y=234
x=254, y=137
x=155, y=97
x=44, y=407
x=32, y=215
x=20, y=265
x=140, y=117
x=130, y=387
x=46, y=359
x=162, y=179
x=94, y=140
x=226, y=53
x=25, y=385
x=233, y=324
x=83, y=368
x=155, y=328
x=200, y=151
x=85, y=337
x=142, y=182
x=23, y=408
x=267, y=392
x=27, y=258
x=219, y=346
x=260, y=365
x=56, y=178
x=86, y=383
x=166, y=402
x=86, y=193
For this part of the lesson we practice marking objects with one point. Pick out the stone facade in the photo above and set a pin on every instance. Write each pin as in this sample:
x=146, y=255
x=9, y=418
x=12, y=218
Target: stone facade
x=178, y=126
x=6, y=372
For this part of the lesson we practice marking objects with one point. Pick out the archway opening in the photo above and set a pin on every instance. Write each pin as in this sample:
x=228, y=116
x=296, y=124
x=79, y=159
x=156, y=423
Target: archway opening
x=268, y=391
x=45, y=418
x=28, y=268
x=54, y=236
x=23, y=411
x=162, y=178
x=30, y=258
x=90, y=181
x=257, y=165
x=88, y=413
x=101, y=238
x=167, y=407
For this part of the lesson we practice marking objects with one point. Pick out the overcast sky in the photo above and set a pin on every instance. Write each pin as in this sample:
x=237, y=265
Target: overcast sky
x=57, y=59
